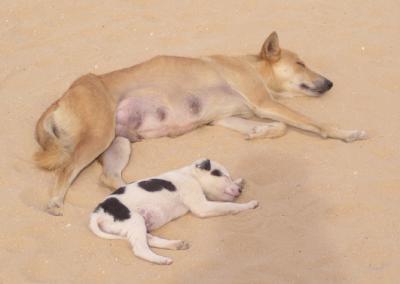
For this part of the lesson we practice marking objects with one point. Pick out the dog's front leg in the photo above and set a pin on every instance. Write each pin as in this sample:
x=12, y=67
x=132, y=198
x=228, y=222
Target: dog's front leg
x=268, y=108
x=253, y=129
x=114, y=160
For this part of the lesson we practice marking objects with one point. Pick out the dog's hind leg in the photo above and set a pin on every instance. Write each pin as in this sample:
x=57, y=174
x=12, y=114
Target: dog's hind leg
x=114, y=160
x=253, y=129
x=157, y=242
x=137, y=236
x=85, y=152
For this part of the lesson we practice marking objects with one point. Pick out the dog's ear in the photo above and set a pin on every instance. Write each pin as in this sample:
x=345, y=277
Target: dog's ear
x=270, y=49
x=204, y=165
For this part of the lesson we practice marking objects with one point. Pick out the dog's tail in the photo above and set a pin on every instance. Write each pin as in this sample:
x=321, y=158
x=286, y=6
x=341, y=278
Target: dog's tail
x=94, y=225
x=54, y=152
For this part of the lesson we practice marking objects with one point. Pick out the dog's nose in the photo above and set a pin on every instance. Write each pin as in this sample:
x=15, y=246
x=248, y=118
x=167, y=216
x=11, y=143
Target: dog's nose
x=328, y=84
x=323, y=86
x=240, y=189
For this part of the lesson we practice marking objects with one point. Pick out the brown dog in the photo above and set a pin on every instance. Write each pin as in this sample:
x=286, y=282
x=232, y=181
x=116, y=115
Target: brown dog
x=169, y=96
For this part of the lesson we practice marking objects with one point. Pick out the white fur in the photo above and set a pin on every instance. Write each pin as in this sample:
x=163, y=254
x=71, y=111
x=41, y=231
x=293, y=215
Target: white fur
x=197, y=191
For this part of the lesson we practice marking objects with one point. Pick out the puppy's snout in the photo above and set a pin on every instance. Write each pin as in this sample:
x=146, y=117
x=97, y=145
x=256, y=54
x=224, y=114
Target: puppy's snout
x=234, y=190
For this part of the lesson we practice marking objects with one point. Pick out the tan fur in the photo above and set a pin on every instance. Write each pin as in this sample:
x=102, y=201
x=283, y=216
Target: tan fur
x=79, y=127
x=52, y=155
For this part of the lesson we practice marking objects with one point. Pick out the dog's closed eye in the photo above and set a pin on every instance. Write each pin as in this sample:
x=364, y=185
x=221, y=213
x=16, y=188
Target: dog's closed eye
x=301, y=64
x=216, y=173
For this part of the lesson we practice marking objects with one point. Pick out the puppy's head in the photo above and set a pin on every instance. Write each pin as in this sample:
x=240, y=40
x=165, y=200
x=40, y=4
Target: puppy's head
x=215, y=181
x=289, y=72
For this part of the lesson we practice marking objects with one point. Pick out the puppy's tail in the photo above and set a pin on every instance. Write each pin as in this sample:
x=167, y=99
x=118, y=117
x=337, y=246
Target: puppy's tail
x=54, y=151
x=94, y=225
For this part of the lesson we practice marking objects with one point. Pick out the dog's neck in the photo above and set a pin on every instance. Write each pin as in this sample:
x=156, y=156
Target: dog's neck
x=264, y=69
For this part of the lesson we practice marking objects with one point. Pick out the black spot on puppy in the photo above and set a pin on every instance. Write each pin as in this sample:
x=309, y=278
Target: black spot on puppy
x=120, y=190
x=216, y=173
x=115, y=208
x=205, y=165
x=156, y=184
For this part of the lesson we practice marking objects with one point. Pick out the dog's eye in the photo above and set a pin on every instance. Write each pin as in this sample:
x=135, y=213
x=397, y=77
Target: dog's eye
x=216, y=173
x=301, y=64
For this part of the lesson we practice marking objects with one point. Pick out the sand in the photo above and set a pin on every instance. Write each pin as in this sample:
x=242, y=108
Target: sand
x=329, y=210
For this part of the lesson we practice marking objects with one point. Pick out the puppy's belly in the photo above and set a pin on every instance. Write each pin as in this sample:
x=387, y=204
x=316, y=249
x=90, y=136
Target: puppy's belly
x=138, y=118
x=152, y=218
x=155, y=217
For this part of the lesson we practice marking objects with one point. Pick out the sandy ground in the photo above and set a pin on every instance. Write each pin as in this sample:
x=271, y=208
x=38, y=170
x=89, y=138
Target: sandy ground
x=329, y=211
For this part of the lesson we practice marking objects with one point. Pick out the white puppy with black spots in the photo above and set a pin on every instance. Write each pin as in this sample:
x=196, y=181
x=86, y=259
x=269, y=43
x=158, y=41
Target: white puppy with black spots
x=204, y=188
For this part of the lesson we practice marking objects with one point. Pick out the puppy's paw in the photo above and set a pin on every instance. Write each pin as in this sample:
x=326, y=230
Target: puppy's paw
x=182, y=245
x=252, y=204
x=355, y=135
x=164, y=260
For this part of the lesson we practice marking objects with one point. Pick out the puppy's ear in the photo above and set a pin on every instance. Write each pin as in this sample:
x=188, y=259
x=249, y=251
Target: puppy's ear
x=204, y=165
x=270, y=49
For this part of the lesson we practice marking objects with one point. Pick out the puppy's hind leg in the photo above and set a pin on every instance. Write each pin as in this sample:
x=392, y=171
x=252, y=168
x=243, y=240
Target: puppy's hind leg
x=157, y=242
x=137, y=236
x=114, y=160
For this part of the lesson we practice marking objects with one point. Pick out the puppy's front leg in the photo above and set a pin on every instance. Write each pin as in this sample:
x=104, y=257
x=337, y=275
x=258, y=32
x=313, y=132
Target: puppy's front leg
x=212, y=208
x=198, y=204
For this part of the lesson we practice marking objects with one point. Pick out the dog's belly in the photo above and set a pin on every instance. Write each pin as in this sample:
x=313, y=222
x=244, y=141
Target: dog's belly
x=149, y=117
x=153, y=115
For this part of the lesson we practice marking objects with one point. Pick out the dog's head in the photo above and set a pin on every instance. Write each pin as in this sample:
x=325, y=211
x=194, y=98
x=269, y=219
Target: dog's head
x=289, y=72
x=215, y=181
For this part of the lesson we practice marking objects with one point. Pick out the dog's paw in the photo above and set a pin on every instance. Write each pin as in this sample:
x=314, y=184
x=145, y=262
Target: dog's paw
x=112, y=181
x=270, y=130
x=55, y=211
x=182, y=245
x=355, y=135
x=54, y=208
x=252, y=204
x=257, y=132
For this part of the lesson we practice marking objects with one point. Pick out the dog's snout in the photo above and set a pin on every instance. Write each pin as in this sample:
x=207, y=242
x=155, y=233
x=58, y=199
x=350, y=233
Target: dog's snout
x=322, y=86
x=328, y=84
x=240, y=189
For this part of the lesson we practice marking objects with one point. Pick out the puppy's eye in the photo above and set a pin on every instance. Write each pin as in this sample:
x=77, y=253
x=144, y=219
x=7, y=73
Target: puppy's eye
x=216, y=173
x=301, y=64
